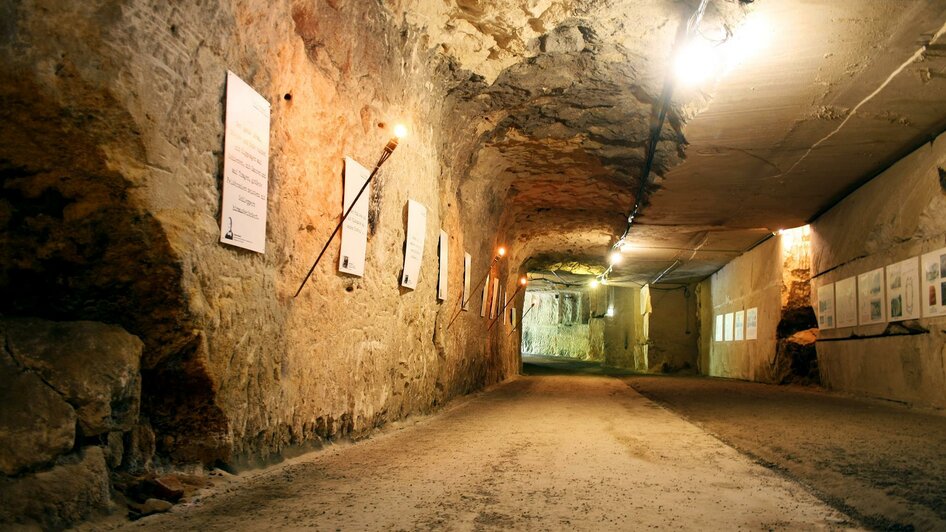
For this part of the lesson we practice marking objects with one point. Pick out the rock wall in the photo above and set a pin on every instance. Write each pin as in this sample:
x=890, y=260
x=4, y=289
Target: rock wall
x=625, y=344
x=673, y=329
x=561, y=325
x=111, y=161
x=897, y=215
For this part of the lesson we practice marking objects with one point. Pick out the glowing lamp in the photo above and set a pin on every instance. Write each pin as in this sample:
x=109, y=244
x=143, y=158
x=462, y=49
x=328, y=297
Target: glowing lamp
x=594, y=283
x=501, y=251
x=696, y=62
x=615, y=258
x=400, y=131
x=523, y=281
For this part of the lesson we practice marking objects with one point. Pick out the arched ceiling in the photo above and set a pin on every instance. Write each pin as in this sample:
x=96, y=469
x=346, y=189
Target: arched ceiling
x=561, y=95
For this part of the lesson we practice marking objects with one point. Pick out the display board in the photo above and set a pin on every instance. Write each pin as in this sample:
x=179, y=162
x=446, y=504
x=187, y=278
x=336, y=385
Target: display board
x=740, y=324
x=718, y=329
x=467, y=296
x=903, y=290
x=351, y=257
x=933, y=296
x=728, y=326
x=752, y=324
x=845, y=302
x=512, y=317
x=495, y=299
x=414, y=248
x=870, y=297
x=442, y=278
x=245, y=167
x=826, y=306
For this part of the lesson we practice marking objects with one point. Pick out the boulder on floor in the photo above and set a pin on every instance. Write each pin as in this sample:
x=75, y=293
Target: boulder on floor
x=94, y=366
x=36, y=424
x=57, y=498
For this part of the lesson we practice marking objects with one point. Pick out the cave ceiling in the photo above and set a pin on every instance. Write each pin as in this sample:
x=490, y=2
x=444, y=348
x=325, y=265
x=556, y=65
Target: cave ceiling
x=814, y=98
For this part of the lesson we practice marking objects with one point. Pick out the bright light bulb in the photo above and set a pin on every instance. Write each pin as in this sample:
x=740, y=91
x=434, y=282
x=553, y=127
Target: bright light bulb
x=593, y=283
x=523, y=281
x=615, y=258
x=696, y=62
x=501, y=251
x=400, y=131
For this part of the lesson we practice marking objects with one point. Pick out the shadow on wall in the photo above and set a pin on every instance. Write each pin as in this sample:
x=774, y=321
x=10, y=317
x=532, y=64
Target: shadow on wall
x=77, y=248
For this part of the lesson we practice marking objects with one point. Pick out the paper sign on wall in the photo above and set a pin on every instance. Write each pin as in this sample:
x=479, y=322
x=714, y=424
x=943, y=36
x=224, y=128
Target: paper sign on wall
x=740, y=324
x=826, y=306
x=467, y=261
x=752, y=324
x=730, y=320
x=870, y=297
x=505, y=306
x=512, y=317
x=483, y=306
x=495, y=302
x=718, y=331
x=414, y=250
x=845, y=302
x=903, y=290
x=933, y=295
x=245, y=167
x=351, y=258
x=442, y=279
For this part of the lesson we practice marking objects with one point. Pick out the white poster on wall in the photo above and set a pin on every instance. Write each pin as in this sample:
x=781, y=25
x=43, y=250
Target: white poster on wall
x=495, y=299
x=826, y=306
x=414, y=248
x=845, y=302
x=933, y=295
x=483, y=305
x=505, y=306
x=718, y=330
x=903, y=290
x=740, y=332
x=245, y=167
x=467, y=262
x=730, y=321
x=442, y=279
x=512, y=317
x=351, y=257
x=752, y=324
x=870, y=297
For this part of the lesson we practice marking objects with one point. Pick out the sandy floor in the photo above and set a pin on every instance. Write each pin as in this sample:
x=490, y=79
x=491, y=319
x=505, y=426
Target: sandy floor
x=544, y=452
x=882, y=463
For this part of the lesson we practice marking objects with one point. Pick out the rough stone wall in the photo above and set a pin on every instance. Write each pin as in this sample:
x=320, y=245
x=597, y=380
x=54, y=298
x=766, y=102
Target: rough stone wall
x=111, y=165
x=673, y=329
x=560, y=326
x=624, y=344
x=897, y=215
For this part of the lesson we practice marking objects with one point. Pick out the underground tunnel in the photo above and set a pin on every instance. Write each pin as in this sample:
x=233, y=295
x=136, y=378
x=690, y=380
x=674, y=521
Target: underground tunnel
x=457, y=264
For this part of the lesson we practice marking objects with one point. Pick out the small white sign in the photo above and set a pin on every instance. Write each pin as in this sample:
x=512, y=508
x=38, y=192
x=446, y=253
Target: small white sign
x=752, y=324
x=414, y=250
x=718, y=330
x=826, y=306
x=495, y=302
x=903, y=290
x=442, y=279
x=728, y=327
x=467, y=296
x=351, y=258
x=934, y=283
x=845, y=302
x=483, y=305
x=245, y=167
x=512, y=317
x=740, y=332
x=870, y=297
x=505, y=306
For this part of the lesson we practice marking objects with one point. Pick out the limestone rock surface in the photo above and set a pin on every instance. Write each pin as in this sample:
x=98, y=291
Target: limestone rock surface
x=94, y=366
x=36, y=424
x=59, y=497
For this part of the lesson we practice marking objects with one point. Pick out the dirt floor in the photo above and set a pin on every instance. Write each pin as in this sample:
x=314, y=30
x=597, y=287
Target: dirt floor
x=543, y=452
x=881, y=463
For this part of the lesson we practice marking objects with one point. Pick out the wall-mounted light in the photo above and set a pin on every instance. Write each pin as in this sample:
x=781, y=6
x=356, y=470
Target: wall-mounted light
x=615, y=258
x=400, y=131
x=593, y=283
